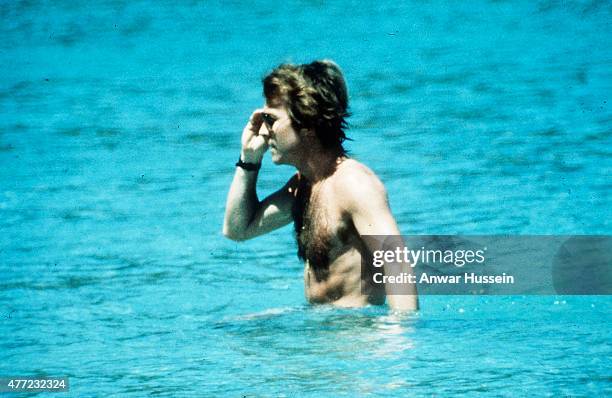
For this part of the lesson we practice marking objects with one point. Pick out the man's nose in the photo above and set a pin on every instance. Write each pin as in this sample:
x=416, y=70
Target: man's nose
x=263, y=131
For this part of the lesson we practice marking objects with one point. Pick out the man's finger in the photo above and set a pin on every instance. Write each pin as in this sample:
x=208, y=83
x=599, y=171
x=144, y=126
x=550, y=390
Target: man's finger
x=258, y=143
x=256, y=116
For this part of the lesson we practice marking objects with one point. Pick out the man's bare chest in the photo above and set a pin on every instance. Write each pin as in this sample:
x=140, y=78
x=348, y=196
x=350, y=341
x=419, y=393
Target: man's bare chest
x=325, y=230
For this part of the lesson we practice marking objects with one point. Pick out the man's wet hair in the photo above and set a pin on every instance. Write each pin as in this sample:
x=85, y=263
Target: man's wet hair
x=316, y=98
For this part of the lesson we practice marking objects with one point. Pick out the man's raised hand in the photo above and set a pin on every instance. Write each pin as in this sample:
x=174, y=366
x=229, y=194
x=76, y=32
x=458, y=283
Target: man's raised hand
x=254, y=145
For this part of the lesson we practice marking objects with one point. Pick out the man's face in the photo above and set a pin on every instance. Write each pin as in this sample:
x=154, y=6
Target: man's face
x=283, y=140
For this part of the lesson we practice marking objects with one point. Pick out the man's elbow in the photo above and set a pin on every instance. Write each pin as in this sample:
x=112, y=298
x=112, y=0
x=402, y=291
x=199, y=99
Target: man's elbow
x=233, y=235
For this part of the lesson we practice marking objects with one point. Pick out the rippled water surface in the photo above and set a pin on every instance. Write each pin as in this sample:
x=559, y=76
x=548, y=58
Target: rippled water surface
x=119, y=129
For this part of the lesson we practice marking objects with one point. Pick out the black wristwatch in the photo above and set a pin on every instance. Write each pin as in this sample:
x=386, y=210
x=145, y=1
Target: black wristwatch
x=248, y=166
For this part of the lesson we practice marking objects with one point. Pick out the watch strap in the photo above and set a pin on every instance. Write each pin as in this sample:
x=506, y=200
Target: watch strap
x=248, y=166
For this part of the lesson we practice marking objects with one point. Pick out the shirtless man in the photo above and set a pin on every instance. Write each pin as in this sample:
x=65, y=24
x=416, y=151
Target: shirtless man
x=332, y=199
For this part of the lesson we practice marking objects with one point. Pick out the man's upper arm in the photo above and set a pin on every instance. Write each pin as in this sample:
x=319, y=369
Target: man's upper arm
x=273, y=212
x=365, y=199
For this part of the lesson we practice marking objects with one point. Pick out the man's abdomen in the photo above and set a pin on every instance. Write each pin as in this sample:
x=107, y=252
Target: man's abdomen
x=342, y=286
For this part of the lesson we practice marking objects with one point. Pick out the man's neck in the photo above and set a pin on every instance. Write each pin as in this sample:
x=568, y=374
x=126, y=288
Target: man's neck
x=318, y=163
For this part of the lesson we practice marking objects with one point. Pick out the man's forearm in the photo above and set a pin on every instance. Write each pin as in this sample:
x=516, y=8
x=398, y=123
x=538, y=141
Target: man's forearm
x=241, y=204
x=403, y=302
x=401, y=297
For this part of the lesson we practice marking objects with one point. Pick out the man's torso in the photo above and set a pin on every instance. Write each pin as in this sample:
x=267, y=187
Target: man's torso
x=332, y=248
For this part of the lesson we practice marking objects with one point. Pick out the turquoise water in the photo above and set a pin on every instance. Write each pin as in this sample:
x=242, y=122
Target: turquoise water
x=119, y=128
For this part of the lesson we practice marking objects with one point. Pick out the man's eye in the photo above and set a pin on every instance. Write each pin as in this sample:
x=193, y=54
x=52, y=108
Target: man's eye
x=268, y=119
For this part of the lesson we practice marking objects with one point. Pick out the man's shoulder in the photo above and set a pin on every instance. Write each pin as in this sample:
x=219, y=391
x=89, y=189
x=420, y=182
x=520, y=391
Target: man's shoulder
x=354, y=174
x=355, y=182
